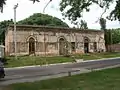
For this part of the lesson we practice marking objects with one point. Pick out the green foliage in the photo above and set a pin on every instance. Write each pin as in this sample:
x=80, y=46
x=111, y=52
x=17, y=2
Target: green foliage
x=112, y=36
x=107, y=37
x=82, y=24
x=73, y=9
x=115, y=14
x=39, y=60
x=43, y=19
x=35, y=19
x=3, y=26
x=102, y=23
x=2, y=2
x=115, y=34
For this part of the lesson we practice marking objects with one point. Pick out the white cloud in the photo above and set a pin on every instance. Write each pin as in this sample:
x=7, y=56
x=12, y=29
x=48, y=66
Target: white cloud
x=27, y=8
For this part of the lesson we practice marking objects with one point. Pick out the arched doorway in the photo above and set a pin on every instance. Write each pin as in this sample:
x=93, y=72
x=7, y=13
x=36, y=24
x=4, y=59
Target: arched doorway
x=63, y=46
x=31, y=45
x=86, y=44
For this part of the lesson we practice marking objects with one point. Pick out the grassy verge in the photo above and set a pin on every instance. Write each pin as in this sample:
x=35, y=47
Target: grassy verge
x=36, y=60
x=108, y=79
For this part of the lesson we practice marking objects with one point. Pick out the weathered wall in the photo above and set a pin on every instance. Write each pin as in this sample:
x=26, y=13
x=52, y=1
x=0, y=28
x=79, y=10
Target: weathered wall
x=52, y=36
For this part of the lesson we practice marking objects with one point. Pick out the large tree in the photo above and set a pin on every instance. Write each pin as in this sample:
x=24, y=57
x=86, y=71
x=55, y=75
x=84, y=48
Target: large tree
x=3, y=26
x=115, y=36
x=35, y=19
x=102, y=23
x=43, y=19
x=73, y=9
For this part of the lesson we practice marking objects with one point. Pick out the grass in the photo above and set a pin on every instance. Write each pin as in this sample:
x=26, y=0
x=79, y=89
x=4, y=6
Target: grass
x=36, y=60
x=108, y=79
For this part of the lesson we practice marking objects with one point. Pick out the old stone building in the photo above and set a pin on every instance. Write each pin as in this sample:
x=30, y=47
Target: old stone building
x=40, y=40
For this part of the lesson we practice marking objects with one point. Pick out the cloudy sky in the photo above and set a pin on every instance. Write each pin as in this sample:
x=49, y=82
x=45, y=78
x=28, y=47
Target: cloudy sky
x=27, y=8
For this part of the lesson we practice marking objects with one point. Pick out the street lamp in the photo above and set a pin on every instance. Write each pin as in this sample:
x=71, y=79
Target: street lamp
x=15, y=48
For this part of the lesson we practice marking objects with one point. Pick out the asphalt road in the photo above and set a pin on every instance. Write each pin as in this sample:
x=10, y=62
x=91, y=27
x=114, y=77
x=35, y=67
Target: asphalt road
x=44, y=72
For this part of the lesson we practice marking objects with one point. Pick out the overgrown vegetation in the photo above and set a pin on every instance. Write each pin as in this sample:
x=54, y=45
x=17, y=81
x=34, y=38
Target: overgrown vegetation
x=43, y=19
x=35, y=19
x=37, y=60
x=3, y=28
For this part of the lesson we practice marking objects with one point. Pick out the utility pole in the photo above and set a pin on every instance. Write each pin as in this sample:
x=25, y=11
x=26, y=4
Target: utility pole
x=15, y=48
x=111, y=42
x=45, y=33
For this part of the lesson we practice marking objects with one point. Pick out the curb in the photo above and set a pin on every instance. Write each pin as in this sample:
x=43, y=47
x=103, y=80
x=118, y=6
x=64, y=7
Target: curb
x=59, y=63
x=101, y=59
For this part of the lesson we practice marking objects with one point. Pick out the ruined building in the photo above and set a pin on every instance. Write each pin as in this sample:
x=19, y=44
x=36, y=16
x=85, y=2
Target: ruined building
x=40, y=40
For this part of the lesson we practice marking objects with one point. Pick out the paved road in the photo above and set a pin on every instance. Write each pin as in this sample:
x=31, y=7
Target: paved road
x=44, y=72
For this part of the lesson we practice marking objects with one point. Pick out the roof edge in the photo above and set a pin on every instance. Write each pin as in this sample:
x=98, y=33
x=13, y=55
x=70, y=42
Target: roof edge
x=54, y=27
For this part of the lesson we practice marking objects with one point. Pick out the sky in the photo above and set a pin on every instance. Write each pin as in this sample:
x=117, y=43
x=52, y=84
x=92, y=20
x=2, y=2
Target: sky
x=27, y=8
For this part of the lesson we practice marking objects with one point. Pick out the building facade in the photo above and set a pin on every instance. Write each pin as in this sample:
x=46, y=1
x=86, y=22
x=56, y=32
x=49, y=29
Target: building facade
x=40, y=40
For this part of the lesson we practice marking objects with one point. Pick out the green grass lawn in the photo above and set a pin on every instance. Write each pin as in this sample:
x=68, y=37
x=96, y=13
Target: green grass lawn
x=108, y=79
x=37, y=60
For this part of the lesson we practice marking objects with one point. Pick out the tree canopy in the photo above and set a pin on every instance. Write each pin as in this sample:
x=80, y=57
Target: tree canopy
x=115, y=35
x=43, y=19
x=73, y=9
x=102, y=23
x=3, y=26
x=82, y=24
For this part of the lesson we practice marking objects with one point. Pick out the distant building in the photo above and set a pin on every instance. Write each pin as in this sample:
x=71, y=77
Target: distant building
x=41, y=40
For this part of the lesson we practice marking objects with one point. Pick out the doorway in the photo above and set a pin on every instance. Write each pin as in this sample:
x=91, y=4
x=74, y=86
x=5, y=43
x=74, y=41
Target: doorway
x=31, y=46
x=63, y=47
x=86, y=45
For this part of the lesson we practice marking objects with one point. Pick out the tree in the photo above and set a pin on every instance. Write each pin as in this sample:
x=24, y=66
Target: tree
x=73, y=9
x=82, y=24
x=3, y=26
x=102, y=23
x=43, y=19
x=2, y=2
x=115, y=33
x=35, y=19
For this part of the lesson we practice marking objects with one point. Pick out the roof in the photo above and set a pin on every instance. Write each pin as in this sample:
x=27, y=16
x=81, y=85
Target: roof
x=53, y=27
